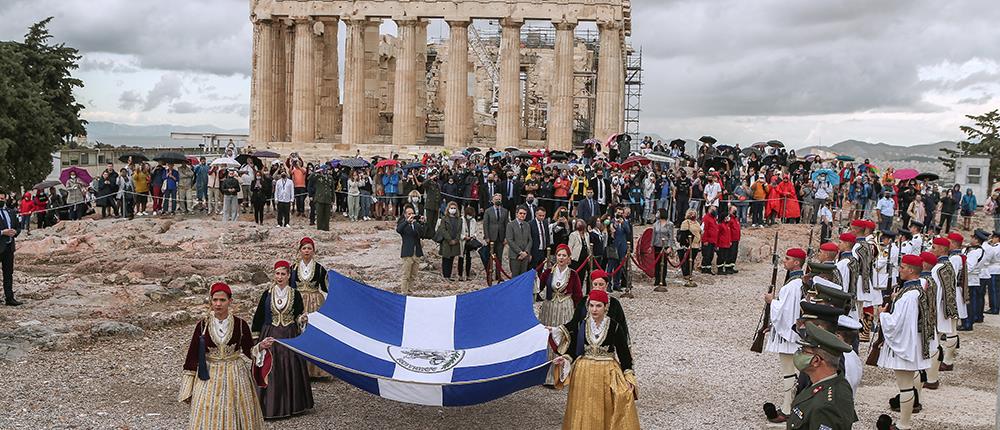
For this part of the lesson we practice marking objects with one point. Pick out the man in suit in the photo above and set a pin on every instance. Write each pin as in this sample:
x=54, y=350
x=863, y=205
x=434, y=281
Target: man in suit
x=587, y=208
x=602, y=192
x=531, y=203
x=9, y=229
x=495, y=219
x=540, y=238
x=487, y=189
x=518, y=239
x=409, y=228
x=511, y=192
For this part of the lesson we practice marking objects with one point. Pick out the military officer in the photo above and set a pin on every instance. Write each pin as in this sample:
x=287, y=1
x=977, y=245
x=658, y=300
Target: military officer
x=324, y=198
x=785, y=309
x=829, y=402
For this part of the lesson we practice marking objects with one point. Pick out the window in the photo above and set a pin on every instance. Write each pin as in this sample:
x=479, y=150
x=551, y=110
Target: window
x=100, y=159
x=973, y=175
x=84, y=159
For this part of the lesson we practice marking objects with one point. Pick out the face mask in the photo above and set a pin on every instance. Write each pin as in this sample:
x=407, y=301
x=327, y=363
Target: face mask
x=3, y=203
x=415, y=199
x=531, y=201
x=607, y=222
x=453, y=211
x=496, y=203
x=801, y=360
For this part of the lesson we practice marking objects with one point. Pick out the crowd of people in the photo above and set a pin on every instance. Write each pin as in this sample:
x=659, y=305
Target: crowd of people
x=574, y=218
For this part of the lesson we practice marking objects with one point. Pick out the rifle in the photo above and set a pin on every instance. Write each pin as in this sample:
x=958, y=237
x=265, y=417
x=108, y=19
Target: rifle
x=765, y=319
x=809, y=249
x=876, y=347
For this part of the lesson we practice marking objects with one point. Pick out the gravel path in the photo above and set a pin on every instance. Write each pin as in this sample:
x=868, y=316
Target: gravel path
x=690, y=348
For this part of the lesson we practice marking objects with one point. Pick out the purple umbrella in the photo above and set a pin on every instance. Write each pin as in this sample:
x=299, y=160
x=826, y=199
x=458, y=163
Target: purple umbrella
x=81, y=174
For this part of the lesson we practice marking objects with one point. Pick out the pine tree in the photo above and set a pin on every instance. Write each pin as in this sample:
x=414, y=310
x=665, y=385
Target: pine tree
x=982, y=139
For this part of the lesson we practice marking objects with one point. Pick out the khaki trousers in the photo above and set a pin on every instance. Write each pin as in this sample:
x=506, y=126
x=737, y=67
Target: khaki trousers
x=409, y=272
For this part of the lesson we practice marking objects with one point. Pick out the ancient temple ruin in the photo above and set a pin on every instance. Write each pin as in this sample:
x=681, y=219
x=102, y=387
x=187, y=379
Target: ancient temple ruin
x=526, y=85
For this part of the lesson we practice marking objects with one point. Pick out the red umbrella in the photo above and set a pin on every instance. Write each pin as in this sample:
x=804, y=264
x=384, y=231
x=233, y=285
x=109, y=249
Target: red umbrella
x=193, y=161
x=81, y=174
x=634, y=160
x=536, y=154
x=904, y=174
x=384, y=163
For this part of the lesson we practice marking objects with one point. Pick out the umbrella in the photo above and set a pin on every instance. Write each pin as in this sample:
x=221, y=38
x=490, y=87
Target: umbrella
x=266, y=154
x=136, y=157
x=591, y=141
x=904, y=174
x=225, y=162
x=81, y=174
x=384, y=163
x=171, y=157
x=724, y=148
x=510, y=149
x=775, y=144
x=536, y=154
x=759, y=144
x=795, y=165
x=413, y=165
x=560, y=166
x=635, y=160
x=678, y=143
x=845, y=158
x=661, y=157
x=354, y=163
x=831, y=176
x=752, y=150
x=927, y=177
x=811, y=157
x=497, y=155
x=770, y=159
x=708, y=139
x=457, y=157
x=719, y=163
x=45, y=184
x=333, y=163
x=519, y=154
x=194, y=161
x=472, y=149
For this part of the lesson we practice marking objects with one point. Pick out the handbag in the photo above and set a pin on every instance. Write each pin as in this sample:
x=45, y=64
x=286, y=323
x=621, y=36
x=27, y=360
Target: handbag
x=473, y=244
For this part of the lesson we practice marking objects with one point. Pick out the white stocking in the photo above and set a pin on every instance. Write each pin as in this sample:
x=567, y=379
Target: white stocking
x=904, y=379
x=788, y=380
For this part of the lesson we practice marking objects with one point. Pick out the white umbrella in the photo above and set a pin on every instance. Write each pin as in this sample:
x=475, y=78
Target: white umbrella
x=225, y=161
x=660, y=158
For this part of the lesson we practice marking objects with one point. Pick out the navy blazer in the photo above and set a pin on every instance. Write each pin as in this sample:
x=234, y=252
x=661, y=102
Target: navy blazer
x=15, y=224
x=410, y=233
x=535, y=240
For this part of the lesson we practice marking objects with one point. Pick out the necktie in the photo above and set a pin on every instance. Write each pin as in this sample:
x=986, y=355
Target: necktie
x=541, y=237
x=497, y=210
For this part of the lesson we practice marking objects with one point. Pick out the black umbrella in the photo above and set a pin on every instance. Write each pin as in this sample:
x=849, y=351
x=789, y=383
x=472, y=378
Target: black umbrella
x=413, y=165
x=708, y=139
x=266, y=154
x=519, y=154
x=473, y=149
x=770, y=159
x=136, y=157
x=752, y=150
x=719, y=163
x=775, y=144
x=927, y=177
x=245, y=159
x=558, y=155
x=795, y=165
x=724, y=148
x=678, y=143
x=354, y=163
x=46, y=184
x=171, y=157
x=510, y=149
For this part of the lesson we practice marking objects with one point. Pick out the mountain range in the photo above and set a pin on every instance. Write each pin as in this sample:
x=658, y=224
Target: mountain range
x=883, y=151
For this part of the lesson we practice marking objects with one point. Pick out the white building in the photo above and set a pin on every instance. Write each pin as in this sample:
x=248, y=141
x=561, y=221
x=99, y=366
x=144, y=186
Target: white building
x=974, y=172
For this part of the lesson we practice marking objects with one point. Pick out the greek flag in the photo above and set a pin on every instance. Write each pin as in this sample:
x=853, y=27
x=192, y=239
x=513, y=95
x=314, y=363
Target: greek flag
x=442, y=351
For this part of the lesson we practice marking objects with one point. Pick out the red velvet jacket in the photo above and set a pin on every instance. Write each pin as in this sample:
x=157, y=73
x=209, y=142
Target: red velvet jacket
x=575, y=286
x=734, y=229
x=725, y=238
x=710, y=230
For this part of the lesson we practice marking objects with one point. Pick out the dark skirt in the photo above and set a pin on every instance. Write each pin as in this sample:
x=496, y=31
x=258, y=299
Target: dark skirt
x=288, y=391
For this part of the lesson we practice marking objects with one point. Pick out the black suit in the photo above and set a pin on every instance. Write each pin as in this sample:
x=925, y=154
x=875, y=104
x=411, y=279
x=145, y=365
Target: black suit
x=586, y=209
x=486, y=193
x=8, y=220
x=602, y=194
x=410, y=233
x=511, y=191
x=539, y=244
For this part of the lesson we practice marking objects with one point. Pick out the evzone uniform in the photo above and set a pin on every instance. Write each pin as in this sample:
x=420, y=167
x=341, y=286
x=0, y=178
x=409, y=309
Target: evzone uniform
x=846, y=267
x=909, y=339
x=948, y=295
x=867, y=296
x=887, y=271
x=782, y=338
x=974, y=256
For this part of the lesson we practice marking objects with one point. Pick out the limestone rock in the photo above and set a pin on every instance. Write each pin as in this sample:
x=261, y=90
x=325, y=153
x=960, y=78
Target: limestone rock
x=115, y=328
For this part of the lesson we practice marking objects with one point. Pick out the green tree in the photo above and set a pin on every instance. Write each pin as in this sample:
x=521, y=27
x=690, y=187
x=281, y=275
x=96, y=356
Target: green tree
x=38, y=111
x=982, y=139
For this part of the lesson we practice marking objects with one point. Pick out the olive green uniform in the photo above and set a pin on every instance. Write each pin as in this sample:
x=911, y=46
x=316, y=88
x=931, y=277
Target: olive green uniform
x=324, y=199
x=827, y=404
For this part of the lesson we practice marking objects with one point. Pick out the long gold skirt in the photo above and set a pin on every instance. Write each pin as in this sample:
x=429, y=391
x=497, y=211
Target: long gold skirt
x=312, y=300
x=599, y=397
x=227, y=400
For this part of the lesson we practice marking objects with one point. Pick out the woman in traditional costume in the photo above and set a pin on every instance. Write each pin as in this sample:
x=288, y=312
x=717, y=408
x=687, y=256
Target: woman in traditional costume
x=309, y=279
x=561, y=290
x=597, y=365
x=220, y=369
x=279, y=316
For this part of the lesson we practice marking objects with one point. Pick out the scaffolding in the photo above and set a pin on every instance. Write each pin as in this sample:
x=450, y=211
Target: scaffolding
x=633, y=92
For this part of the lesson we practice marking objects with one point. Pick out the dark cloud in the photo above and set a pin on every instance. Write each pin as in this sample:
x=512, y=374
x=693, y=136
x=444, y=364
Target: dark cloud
x=108, y=65
x=184, y=107
x=130, y=100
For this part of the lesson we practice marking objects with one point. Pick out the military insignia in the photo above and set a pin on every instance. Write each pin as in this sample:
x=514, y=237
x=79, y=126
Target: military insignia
x=824, y=427
x=425, y=360
x=817, y=389
x=797, y=412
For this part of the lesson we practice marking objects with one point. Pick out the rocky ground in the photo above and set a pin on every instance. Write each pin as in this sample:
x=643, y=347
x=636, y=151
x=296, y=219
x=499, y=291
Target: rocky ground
x=110, y=304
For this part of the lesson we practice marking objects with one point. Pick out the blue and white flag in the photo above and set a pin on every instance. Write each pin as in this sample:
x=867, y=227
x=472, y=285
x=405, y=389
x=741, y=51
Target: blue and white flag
x=441, y=351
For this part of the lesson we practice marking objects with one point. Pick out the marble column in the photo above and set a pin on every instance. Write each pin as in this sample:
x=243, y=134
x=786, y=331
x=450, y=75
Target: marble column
x=610, y=81
x=354, y=83
x=277, y=97
x=329, y=81
x=289, y=88
x=509, y=116
x=457, y=106
x=559, y=128
x=373, y=79
x=421, y=111
x=304, y=84
x=257, y=130
x=404, y=116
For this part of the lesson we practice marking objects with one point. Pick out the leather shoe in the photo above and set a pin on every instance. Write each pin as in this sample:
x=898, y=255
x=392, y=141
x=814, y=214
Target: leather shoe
x=13, y=302
x=931, y=385
x=946, y=367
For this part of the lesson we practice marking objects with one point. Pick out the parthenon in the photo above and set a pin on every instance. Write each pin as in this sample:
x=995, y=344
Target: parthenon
x=296, y=100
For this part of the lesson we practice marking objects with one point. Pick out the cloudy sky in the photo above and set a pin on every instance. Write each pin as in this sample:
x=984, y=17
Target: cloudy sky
x=806, y=72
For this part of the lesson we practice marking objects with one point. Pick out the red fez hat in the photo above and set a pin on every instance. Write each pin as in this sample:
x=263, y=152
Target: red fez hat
x=306, y=241
x=913, y=260
x=928, y=258
x=220, y=286
x=829, y=246
x=598, y=296
x=942, y=241
x=860, y=223
x=869, y=224
x=563, y=246
x=796, y=253
x=599, y=274
x=282, y=263
x=848, y=237
x=955, y=237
